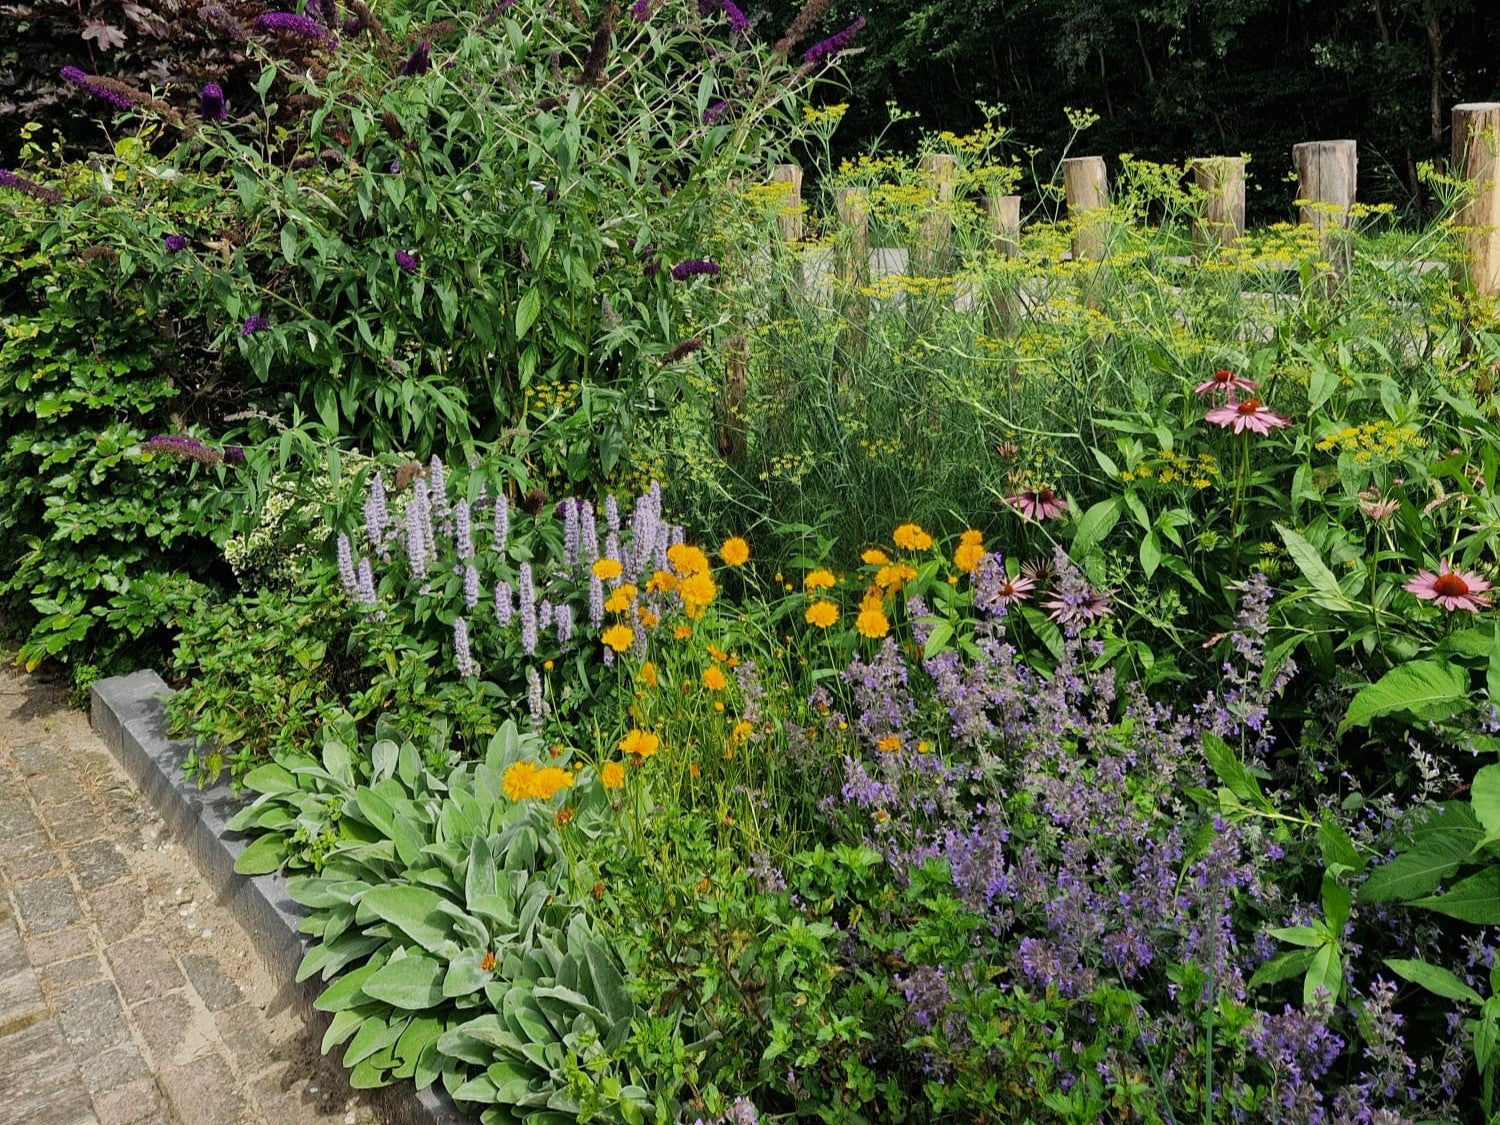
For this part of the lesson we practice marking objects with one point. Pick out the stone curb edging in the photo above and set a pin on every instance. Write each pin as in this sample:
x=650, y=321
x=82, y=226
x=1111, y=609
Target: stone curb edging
x=128, y=715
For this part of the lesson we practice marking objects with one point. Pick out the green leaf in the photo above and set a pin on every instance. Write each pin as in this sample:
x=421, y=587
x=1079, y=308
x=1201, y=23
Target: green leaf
x=1094, y=525
x=527, y=311
x=1434, y=979
x=1283, y=966
x=1433, y=852
x=414, y=983
x=1326, y=972
x=270, y=778
x=1475, y=899
x=264, y=856
x=412, y=910
x=1232, y=772
x=1326, y=590
x=1298, y=935
x=1485, y=797
x=1417, y=688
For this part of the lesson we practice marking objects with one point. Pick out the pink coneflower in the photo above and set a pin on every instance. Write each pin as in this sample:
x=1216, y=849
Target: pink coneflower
x=1451, y=589
x=1377, y=507
x=1075, y=608
x=1252, y=414
x=1009, y=590
x=1224, y=380
x=1038, y=504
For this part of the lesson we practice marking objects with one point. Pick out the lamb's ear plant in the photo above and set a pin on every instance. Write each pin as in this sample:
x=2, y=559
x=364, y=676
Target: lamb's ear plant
x=444, y=917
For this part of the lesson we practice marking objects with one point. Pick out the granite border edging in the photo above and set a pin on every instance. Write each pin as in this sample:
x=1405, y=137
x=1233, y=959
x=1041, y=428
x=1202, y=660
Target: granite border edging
x=128, y=715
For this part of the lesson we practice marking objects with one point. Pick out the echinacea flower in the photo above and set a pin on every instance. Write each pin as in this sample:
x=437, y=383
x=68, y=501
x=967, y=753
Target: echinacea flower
x=1451, y=589
x=1252, y=414
x=698, y=266
x=1378, y=508
x=1224, y=380
x=211, y=103
x=254, y=324
x=1038, y=503
x=1077, y=608
x=1010, y=590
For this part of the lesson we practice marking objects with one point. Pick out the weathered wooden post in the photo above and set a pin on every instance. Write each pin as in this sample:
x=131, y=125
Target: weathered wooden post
x=1222, y=181
x=1086, y=187
x=732, y=405
x=1476, y=158
x=931, y=257
x=1005, y=241
x=1327, y=172
x=789, y=218
x=854, y=212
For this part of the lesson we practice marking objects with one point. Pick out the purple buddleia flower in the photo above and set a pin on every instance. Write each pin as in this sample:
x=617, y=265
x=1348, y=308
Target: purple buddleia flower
x=562, y=623
x=462, y=656
x=419, y=62
x=463, y=535
x=291, y=23
x=346, y=566
x=406, y=261
x=536, y=703
x=527, y=610
x=9, y=179
x=111, y=92
x=211, y=103
x=684, y=270
x=640, y=11
x=570, y=533
x=737, y=20
x=471, y=587
x=365, y=583
x=174, y=243
x=254, y=324
x=502, y=523
x=715, y=112
x=505, y=603
x=835, y=43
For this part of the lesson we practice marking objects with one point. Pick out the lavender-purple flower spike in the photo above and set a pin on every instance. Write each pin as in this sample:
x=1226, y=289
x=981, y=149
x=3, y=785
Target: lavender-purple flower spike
x=505, y=603
x=346, y=566
x=502, y=523
x=528, y=610
x=463, y=535
x=365, y=583
x=471, y=587
x=684, y=270
x=544, y=615
x=612, y=513
x=589, y=536
x=462, y=656
x=211, y=103
x=596, y=600
x=376, y=514
x=570, y=533
x=535, y=702
x=292, y=23
x=562, y=623
x=416, y=541
x=835, y=43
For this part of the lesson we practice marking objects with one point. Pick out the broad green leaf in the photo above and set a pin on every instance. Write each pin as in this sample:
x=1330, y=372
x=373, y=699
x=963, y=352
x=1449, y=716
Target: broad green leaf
x=1485, y=797
x=1326, y=590
x=1297, y=935
x=346, y=991
x=1434, y=979
x=1231, y=771
x=1283, y=966
x=1094, y=525
x=527, y=311
x=1326, y=972
x=1418, y=688
x=412, y=910
x=264, y=856
x=270, y=778
x=414, y=983
x=1475, y=899
x=1433, y=853
x=464, y=976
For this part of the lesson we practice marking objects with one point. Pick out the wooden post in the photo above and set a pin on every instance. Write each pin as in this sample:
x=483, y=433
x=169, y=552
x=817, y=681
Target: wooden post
x=732, y=405
x=1222, y=180
x=1005, y=241
x=789, y=220
x=1086, y=186
x=1326, y=175
x=854, y=212
x=931, y=258
x=1476, y=158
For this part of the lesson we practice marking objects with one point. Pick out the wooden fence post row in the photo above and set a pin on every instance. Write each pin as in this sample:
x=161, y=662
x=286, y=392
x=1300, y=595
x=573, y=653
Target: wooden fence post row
x=1476, y=143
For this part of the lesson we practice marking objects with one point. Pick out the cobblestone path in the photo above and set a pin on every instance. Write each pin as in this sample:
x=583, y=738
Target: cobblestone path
x=127, y=997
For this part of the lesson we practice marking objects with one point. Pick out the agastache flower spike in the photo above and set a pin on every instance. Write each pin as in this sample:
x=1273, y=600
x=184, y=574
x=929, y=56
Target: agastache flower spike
x=596, y=601
x=463, y=535
x=346, y=566
x=612, y=514
x=535, y=702
x=376, y=515
x=505, y=605
x=562, y=623
x=528, y=610
x=471, y=587
x=502, y=523
x=462, y=656
x=589, y=536
x=365, y=583
x=570, y=533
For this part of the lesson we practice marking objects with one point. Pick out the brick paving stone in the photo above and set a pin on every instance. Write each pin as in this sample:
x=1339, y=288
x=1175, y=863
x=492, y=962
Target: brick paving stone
x=13, y=848
x=113, y=1069
x=128, y=1104
x=63, y=975
x=97, y=863
x=56, y=786
x=16, y=817
x=34, y=757
x=38, y=865
x=118, y=909
x=72, y=942
x=240, y=1029
x=93, y=1019
x=73, y=823
x=166, y=1024
x=204, y=1093
x=209, y=981
x=46, y=905
x=144, y=968
x=42, y=1085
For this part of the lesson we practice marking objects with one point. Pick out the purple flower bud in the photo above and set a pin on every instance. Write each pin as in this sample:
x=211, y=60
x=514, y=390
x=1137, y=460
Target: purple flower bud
x=291, y=23
x=254, y=324
x=737, y=20
x=211, y=103
x=395, y=167
x=174, y=243
x=640, y=11
x=406, y=261
x=21, y=184
x=835, y=43
x=684, y=270
x=419, y=62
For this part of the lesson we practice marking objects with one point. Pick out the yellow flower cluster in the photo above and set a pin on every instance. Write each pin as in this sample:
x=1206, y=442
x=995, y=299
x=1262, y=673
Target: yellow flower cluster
x=618, y=637
x=621, y=599
x=820, y=579
x=970, y=551
x=524, y=781
x=544, y=398
x=612, y=775
x=821, y=613
x=640, y=743
x=607, y=569
x=1170, y=467
x=1377, y=441
x=911, y=537
x=734, y=551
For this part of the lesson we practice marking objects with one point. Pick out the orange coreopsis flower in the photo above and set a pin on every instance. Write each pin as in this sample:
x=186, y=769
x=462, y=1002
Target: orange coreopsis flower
x=890, y=743
x=606, y=569
x=911, y=537
x=621, y=599
x=517, y=779
x=662, y=580
x=648, y=674
x=612, y=775
x=618, y=637
x=697, y=592
x=872, y=622
x=682, y=633
x=640, y=743
x=876, y=557
x=820, y=579
x=713, y=678
x=822, y=613
x=734, y=551
x=970, y=551
x=687, y=560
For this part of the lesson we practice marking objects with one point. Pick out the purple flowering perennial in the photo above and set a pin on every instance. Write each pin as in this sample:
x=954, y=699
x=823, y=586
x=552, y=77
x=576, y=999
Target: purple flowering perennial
x=640, y=11
x=291, y=23
x=419, y=62
x=347, y=573
x=174, y=243
x=254, y=324
x=835, y=43
x=684, y=270
x=9, y=179
x=117, y=98
x=505, y=604
x=211, y=103
x=737, y=20
x=715, y=113
x=407, y=261
x=462, y=655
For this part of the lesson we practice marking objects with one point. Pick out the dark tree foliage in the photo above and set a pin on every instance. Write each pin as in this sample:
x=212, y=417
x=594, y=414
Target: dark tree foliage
x=1178, y=78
